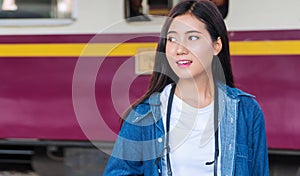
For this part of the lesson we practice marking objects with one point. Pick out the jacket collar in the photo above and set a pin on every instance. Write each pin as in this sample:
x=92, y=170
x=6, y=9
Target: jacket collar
x=154, y=101
x=234, y=93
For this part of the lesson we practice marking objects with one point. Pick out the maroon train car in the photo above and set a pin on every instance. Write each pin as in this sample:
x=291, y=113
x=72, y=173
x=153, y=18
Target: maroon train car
x=69, y=69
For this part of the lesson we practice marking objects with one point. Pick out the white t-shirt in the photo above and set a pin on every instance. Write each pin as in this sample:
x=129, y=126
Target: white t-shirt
x=191, y=137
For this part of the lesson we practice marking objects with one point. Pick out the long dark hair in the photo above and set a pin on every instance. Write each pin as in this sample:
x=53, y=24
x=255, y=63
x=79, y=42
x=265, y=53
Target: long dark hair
x=208, y=13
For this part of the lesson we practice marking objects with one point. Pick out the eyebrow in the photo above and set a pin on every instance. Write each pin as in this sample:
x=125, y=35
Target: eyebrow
x=188, y=32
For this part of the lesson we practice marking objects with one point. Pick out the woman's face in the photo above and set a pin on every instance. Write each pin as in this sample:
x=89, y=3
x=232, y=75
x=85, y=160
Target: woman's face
x=189, y=47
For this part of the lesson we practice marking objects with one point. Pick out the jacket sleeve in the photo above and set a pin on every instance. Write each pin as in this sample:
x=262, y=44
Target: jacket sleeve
x=126, y=156
x=260, y=164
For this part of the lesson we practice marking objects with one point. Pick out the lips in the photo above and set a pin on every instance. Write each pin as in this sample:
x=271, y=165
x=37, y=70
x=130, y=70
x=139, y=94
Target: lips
x=184, y=62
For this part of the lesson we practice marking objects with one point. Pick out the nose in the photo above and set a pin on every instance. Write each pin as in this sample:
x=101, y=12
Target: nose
x=181, y=49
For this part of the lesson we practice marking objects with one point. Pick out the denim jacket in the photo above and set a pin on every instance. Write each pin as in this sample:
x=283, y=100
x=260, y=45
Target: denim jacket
x=140, y=144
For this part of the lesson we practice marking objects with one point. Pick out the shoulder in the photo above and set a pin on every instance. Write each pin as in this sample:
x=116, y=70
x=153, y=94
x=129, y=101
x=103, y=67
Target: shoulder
x=132, y=124
x=141, y=118
x=145, y=111
x=247, y=102
x=250, y=112
x=233, y=92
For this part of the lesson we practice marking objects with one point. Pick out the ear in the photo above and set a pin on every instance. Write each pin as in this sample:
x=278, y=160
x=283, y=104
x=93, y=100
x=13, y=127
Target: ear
x=217, y=46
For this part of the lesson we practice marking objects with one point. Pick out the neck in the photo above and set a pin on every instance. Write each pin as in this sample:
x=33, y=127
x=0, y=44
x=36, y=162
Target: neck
x=197, y=93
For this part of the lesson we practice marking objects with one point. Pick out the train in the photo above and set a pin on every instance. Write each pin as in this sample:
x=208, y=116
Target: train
x=69, y=69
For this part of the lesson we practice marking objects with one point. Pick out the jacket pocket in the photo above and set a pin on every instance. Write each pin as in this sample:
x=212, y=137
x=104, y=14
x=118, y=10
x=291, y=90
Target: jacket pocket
x=243, y=160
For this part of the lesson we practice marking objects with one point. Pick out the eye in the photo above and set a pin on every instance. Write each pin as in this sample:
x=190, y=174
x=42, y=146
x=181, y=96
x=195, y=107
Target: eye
x=193, y=37
x=171, y=39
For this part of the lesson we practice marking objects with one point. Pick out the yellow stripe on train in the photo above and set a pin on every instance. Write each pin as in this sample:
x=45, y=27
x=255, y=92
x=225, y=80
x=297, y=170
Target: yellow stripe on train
x=71, y=50
x=283, y=47
x=129, y=49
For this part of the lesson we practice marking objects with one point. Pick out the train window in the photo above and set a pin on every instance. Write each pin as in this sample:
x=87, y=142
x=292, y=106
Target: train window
x=142, y=10
x=26, y=12
x=135, y=11
x=159, y=7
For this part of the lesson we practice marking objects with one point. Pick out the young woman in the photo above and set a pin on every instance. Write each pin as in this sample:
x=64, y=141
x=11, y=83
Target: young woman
x=192, y=121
